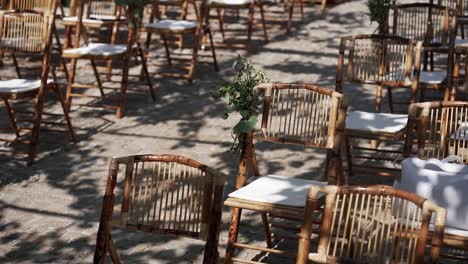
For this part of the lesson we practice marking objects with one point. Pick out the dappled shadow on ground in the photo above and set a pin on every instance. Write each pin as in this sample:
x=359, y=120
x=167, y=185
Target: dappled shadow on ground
x=49, y=212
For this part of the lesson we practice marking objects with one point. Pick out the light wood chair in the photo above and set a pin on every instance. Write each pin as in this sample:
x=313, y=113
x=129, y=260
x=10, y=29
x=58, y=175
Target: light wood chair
x=167, y=28
x=384, y=62
x=435, y=26
x=105, y=52
x=30, y=32
x=441, y=130
x=377, y=224
x=162, y=194
x=301, y=114
x=43, y=6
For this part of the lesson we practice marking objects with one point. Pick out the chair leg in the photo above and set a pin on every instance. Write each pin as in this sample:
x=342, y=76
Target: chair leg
x=390, y=100
x=60, y=50
x=301, y=5
x=290, y=18
x=98, y=79
x=262, y=15
x=266, y=228
x=59, y=95
x=220, y=14
x=166, y=47
x=123, y=88
x=233, y=234
x=144, y=67
x=250, y=23
x=71, y=80
x=462, y=29
x=113, y=252
x=12, y=117
x=332, y=168
x=38, y=107
x=348, y=156
x=213, y=53
x=322, y=6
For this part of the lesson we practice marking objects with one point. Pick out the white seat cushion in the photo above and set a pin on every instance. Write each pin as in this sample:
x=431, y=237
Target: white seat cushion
x=20, y=85
x=92, y=20
x=432, y=77
x=280, y=190
x=230, y=2
x=74, y=19
x=461, y=43
x=461, y=133
x=172, y=25
x=443, y=183
x=376, y=122
x=98, y=49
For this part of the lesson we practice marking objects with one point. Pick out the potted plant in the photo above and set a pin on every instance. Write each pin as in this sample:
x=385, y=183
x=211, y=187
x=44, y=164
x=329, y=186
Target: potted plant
x=378, y=12
x=242, y=99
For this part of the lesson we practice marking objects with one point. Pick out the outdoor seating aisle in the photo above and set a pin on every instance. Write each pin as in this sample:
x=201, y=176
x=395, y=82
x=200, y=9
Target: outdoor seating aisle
x=50, y=211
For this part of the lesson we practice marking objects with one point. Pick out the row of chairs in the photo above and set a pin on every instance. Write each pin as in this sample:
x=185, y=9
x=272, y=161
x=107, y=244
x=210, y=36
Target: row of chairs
x=86, y=16
x=311, y=116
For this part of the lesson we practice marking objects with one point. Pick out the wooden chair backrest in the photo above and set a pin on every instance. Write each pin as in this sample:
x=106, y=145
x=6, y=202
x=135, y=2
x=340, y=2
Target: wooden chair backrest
x=376, y=224
x=37, y=5
x=441, y=130
x=26, y=31
x=169, y=194
x=302, y=114
x=162, y=6
x=434, y=25
x=380, y=60
x=102, y=9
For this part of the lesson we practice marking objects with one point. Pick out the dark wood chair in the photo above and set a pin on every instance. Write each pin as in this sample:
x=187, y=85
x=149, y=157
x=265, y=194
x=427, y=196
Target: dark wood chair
x=162, y=194
x=168, y=28
x=105, y=52
x=30, y=32
x=376, y=224
x=300, y=114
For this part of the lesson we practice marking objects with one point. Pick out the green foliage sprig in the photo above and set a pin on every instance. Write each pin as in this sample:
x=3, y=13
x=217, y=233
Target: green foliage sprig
x=378, y=12
x=241, y=98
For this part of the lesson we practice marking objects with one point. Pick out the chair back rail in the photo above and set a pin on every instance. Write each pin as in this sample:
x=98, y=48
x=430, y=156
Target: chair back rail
x=300, y=114
x=441, y=130
x=377, y=224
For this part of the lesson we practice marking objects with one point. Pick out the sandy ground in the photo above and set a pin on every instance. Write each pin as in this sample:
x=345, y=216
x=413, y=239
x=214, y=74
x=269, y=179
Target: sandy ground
x=49, y=212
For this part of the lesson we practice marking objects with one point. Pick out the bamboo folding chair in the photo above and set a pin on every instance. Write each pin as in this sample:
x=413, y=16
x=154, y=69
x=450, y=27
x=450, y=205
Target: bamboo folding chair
x=441, y=130
x=30, y=32
x=300, y=114
x=381, y=61
x=162, y=194
x=237, y=5
x=98, y=15
x=105, y=52
x=181, y=27
x=435, y=26
x=377, y=224
x=42, y=6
